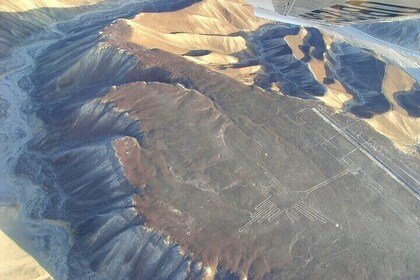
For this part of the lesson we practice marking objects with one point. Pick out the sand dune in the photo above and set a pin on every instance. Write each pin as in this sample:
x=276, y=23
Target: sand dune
x=206, y=17
x=294, y=41
x=336, y=95
x=402, y=130
x=396, y=80
x=396, y=124
x=217, y=27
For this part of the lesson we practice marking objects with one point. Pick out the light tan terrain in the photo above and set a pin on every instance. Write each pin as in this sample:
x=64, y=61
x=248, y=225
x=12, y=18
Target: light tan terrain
x=241, y=178
x=336, y=94
x=24, y=5
x=222, y=29
x=17, y=264
x=395, y=124
x=218, y=27
x=216, y=174
x=402, y=129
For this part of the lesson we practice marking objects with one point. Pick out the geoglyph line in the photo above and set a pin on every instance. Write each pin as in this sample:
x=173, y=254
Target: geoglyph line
x=275, y=182
x=393, y=203
x=263, y=203
x=320, y=185
x=304, y=212
x=311, y=213
x=268, y=215
x=266, y=210
x=317, y=212
x=274, y=215
x=364, y=151
x=290, y=215
x=295, y=215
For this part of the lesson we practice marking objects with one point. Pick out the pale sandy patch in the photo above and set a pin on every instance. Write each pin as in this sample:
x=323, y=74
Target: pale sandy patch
x=336, y=95
x=211, y=25
x=207, y=17
x=294, y=41
x=402, y=130
x=25, y=5
x=396, y=124
x=213, y=58
x=16, y=263
x=396, y=80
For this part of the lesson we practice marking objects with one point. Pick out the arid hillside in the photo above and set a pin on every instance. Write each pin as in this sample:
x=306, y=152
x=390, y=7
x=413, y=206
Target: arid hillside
x=191, y=140
x=303, y=62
